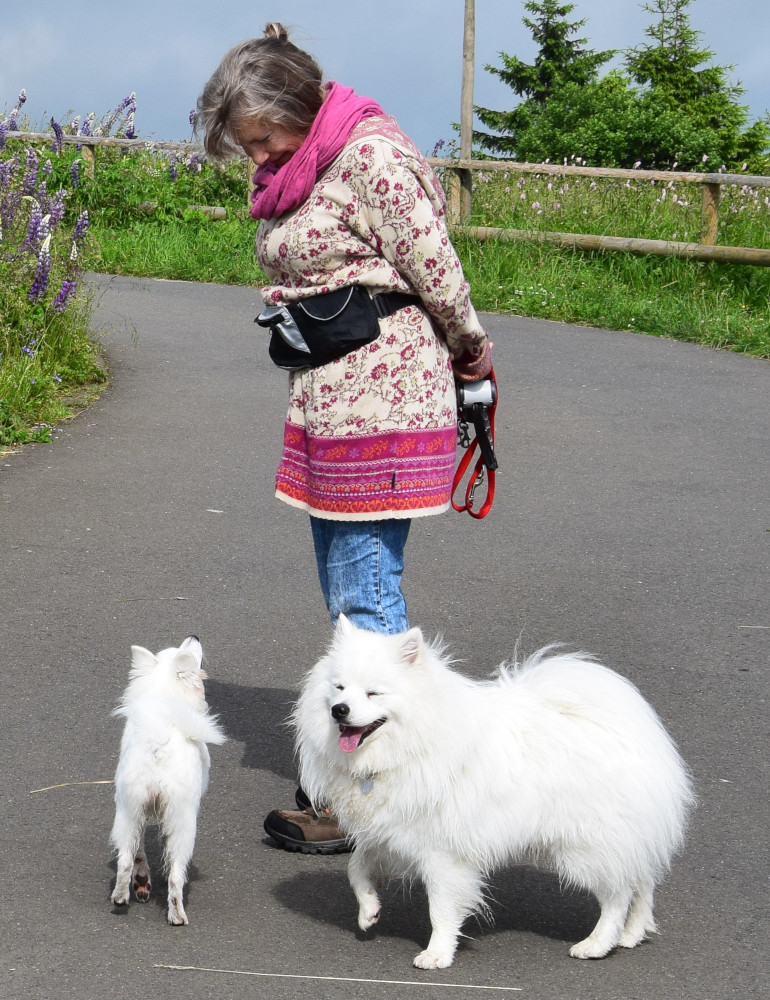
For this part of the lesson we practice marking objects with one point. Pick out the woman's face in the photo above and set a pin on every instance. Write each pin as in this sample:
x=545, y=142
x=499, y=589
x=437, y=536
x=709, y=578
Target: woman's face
x=267, y=143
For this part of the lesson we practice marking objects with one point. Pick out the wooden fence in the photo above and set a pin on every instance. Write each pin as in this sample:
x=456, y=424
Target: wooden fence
x=460, y=187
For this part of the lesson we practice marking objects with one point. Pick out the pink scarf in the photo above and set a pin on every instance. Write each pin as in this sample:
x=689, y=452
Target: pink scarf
x=281, y=189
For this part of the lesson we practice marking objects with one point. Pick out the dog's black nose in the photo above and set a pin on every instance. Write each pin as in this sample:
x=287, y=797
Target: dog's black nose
x=340, y=712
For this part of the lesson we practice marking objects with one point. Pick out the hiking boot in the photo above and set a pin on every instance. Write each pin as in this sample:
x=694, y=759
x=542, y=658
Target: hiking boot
x=306, y=831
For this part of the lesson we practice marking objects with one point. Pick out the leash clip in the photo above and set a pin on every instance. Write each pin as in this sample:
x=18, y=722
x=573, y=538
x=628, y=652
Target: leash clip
x=476, y=483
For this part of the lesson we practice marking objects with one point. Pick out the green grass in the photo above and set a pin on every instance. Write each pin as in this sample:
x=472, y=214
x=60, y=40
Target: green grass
x=719, y=305
x=190, y=248
x=47, y=374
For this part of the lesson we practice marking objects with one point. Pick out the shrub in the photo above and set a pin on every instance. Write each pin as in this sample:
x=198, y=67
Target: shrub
x=44, y=348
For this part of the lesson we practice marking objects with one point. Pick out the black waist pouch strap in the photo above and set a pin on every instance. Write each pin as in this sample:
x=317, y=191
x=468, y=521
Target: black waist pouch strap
x=322, y=328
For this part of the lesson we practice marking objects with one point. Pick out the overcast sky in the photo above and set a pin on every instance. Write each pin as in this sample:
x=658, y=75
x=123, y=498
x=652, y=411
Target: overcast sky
x=83, y=56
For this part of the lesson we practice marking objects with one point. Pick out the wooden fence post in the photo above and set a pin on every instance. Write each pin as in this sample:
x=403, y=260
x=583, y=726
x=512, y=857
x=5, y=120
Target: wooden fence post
x=710, y=214
x=461, y=180
x=250, y=169
x=459, y=200
x=88, y=156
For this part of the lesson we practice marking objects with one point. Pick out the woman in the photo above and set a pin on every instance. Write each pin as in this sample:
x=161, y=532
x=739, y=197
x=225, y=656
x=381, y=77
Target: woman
x=345, y=199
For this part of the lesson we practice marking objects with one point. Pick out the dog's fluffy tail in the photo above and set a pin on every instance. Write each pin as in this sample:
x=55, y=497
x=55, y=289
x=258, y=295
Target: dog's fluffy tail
x=174, y=713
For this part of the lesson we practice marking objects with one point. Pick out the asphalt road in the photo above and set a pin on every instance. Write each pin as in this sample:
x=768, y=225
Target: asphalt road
x=632, y=519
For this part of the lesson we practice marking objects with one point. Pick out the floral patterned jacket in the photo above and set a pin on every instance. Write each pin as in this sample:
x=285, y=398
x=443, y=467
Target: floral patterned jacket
x=373, y=434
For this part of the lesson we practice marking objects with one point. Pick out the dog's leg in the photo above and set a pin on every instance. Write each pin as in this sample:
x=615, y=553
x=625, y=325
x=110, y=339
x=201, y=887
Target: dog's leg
x=454, y=892
x=122, y=891
x=640, y=921
x=179, y=829
x=607, y=933
x=126, y=836
x=361, y=878
x=141, y=881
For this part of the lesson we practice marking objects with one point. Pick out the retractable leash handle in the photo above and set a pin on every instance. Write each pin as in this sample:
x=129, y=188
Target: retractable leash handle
x=477, y=401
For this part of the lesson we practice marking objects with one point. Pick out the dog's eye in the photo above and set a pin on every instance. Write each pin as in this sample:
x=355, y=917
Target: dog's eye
x=373, y=694
x=339, y=687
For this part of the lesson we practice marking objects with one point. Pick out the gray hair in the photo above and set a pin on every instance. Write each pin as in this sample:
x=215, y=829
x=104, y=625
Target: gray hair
x=266, y=78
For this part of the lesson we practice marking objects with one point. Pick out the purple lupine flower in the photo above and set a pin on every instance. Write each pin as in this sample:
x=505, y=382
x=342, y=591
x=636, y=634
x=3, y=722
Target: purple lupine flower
x=58, y=140
x=6, y=172
x=193, y=115
x=13, y=118
x=42, y=271
x=124, y=105
x=66, y=292
x=194, y=163
x=56, y=208
x=173, y=171
x=3, y=133
x=80, y=227
x=75, y=173
x=9, y=206
x=86, y=127
x=78, y=235
x=29, y=182
x=35, y=229
x=128, y=128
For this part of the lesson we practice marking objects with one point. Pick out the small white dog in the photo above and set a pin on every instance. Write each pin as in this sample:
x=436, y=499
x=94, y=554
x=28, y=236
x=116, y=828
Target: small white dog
x=163, y=768
x=559, y=762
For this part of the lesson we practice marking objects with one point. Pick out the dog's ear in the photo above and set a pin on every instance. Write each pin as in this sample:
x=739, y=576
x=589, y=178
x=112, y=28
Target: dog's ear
x=412, y=643
x=142, y=660
x=188, y=671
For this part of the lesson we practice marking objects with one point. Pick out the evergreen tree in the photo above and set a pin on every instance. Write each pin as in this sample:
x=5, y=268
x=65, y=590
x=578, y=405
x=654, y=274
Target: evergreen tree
x=561, y=60
x=668, y=105
x=678, y=81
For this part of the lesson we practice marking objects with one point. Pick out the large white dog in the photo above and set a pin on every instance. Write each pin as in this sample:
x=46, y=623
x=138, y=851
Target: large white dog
x=163, y=768
x=559, y=762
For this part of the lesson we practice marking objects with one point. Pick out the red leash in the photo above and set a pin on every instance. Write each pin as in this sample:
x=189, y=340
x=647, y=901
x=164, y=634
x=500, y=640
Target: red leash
x=483, y=417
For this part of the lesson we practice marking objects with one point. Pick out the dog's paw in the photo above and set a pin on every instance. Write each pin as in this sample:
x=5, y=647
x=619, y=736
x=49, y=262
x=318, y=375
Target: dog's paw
x=119, y=898
x=177, y=917
x=589, y=949
x=142, y=887
x=369, y=913
x=367, y=922
x=630, y=939
x=432, y=960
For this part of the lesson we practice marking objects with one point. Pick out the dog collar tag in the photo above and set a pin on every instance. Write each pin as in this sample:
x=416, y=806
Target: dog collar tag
x=366, y=784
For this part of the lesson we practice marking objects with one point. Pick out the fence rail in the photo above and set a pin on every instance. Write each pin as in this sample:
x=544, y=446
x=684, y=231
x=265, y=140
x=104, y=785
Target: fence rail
x=459, y=207
x=93, y=141
x=460, y=186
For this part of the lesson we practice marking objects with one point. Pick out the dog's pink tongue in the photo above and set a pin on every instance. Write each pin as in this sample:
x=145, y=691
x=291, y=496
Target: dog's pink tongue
x=350, y=737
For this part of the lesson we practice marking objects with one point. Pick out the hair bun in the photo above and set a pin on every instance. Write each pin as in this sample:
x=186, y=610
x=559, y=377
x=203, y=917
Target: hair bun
x=274, y=29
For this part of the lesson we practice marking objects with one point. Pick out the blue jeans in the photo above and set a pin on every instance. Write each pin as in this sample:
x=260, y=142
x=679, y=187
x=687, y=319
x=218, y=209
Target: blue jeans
x=359, y=567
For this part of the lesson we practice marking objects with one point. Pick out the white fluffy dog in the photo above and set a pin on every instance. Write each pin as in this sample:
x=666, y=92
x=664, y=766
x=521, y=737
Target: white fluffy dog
x=163, y=768
x=559, y=762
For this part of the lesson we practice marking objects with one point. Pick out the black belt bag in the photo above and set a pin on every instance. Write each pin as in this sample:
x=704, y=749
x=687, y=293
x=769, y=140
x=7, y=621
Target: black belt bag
x=322, y=328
